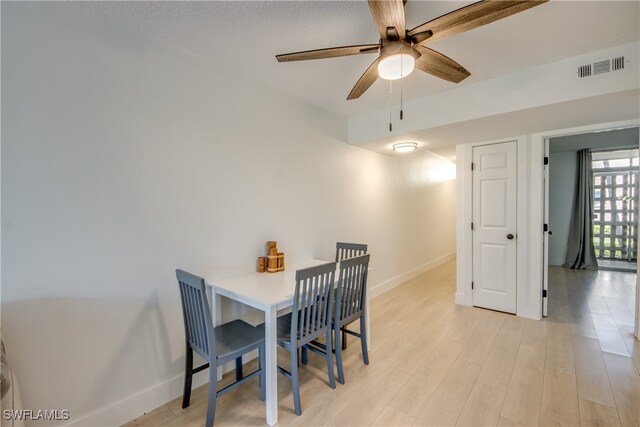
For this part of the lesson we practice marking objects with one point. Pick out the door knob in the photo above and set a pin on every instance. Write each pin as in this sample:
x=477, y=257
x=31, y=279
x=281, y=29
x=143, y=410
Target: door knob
x=510, y=236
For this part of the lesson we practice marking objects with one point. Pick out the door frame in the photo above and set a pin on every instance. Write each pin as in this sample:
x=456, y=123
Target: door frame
x=537, y=191
x=525, y=307
x=545, y=235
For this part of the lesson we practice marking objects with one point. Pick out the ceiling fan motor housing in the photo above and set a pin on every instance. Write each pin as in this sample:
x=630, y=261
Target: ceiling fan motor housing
x=396, y=47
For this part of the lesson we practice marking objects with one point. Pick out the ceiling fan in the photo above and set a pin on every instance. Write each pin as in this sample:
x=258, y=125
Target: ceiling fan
x=401, y=50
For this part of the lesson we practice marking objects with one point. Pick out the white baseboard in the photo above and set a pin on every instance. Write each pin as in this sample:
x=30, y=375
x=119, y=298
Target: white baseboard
x=556, y=261
x=126, y=410
x=134, y=406
x=462, y=299
x=401, y=278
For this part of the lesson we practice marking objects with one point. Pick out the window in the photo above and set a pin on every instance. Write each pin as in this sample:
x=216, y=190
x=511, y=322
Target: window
x=615, y=204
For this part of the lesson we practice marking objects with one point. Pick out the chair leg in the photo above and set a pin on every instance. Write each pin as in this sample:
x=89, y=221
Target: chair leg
x=261, y=375
x=239, y=375
x=329, y=356
x=213, y=383
x=304, y=354
x=295, y=384
x=363, y=340
x=344, y=339
x=337, y=347
x=188, y=374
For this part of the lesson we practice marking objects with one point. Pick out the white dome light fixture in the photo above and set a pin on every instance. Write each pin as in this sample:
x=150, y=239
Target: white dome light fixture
x=405, y=147
x=397, y=66
x=397, y=61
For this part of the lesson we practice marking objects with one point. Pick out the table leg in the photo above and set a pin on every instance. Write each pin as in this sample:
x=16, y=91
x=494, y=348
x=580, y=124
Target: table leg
x=271, y=364
x=215, y=302
x=217, y=316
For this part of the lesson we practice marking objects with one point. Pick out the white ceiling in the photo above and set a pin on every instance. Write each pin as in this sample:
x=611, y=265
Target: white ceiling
x=612, y=139
x=442, y=140
x=244, y=37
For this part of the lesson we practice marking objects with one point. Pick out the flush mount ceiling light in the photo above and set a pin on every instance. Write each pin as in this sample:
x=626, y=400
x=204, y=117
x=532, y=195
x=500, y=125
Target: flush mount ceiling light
x=397, y=61
x=405, y=147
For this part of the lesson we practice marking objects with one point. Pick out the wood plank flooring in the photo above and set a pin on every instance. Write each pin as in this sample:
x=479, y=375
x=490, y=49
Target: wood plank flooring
x=435, y=363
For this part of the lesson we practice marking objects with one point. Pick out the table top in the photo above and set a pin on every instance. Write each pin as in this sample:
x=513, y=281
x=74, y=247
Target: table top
x=263, y=290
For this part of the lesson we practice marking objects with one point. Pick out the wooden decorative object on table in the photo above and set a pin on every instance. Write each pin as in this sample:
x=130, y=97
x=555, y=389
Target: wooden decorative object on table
x=261, y=264
x=281, y=260
x=274, y=259
x=275, y=263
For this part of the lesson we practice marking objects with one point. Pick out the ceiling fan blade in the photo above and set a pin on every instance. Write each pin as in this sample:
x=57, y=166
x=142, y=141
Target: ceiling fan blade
x=439, y=65
x=366, y=80
x=388, y=13
x=473, y=16
x=331, y=52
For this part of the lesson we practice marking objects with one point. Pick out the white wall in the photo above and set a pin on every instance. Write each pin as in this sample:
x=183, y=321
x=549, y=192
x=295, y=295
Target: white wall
x=123, y=159
x=562, y=181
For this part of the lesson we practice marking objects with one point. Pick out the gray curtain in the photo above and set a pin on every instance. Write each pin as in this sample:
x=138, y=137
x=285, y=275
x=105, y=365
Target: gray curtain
x=580, y=251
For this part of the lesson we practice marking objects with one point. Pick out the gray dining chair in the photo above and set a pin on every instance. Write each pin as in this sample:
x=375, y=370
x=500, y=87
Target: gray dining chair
x=310, y=318
x=345, y=251
x=349, y=250
x=350, y=305
x=216, y=345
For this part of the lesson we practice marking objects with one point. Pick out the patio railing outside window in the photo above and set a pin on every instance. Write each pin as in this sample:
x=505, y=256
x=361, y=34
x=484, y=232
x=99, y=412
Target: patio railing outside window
x=615, y=203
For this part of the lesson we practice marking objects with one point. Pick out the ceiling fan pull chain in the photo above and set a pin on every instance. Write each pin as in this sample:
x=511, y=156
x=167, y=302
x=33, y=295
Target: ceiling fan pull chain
x=390, y=104
x=401, y=79
x=401, y=112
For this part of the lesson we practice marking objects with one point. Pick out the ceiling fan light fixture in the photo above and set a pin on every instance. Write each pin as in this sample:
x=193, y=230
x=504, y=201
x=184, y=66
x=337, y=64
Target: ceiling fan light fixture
x=405, y=147
x=396, y=66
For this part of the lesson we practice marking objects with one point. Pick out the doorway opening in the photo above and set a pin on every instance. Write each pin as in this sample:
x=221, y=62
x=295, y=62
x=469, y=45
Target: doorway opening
x=599, y=302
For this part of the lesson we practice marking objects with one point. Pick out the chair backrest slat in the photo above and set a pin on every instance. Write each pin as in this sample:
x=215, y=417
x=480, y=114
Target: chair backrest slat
x=312, y=302
x=198, y=325
x=349, y=250
x=352, y=288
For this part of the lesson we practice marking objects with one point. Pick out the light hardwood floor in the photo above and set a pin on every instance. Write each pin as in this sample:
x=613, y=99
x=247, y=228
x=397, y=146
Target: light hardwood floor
x=435, y=363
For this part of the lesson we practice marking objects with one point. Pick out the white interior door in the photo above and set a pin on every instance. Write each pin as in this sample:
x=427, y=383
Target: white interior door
x=494, y=226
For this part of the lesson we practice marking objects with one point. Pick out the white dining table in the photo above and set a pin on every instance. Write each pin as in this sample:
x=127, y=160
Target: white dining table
x=270, y=293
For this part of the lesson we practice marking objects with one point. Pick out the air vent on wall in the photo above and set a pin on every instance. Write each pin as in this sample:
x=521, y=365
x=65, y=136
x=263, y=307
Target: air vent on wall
x=617, y=63
x=584, y=70
x=601, y=67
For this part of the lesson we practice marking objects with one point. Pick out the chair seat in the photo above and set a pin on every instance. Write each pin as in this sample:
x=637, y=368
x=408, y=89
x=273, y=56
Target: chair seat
x=283, y=329
x=236, y=337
